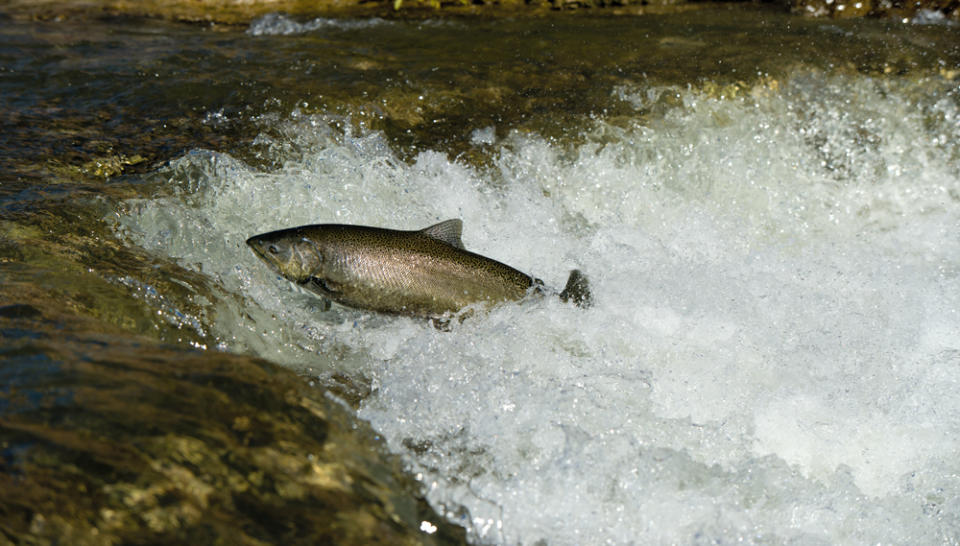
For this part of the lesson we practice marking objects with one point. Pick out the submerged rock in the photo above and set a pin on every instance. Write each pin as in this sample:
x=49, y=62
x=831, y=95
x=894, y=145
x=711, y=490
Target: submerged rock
x=105, y=439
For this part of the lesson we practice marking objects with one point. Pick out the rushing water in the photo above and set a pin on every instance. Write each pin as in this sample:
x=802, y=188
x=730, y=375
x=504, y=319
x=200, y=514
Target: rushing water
x=768, y=210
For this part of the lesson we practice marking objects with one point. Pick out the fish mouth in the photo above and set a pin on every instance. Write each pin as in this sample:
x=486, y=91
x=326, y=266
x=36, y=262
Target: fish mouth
x=256, y=244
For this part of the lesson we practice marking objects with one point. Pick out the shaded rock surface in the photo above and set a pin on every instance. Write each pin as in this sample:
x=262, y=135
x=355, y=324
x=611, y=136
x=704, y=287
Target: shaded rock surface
x=105, y=439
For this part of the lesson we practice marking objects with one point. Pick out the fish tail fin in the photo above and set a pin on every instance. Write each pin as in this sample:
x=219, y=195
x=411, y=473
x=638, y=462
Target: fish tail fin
x=577, y=290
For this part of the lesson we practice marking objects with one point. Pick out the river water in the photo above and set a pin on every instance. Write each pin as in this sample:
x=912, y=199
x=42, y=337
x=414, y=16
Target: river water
x=767, y=208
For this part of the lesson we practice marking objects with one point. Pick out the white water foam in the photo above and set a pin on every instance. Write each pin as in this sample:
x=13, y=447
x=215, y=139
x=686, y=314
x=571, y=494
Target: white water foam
x=774, y=352
x=931, y=17
x=273, y=24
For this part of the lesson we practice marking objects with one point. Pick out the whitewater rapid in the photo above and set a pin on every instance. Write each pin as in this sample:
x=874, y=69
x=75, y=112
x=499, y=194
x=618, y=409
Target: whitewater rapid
x=774, y=351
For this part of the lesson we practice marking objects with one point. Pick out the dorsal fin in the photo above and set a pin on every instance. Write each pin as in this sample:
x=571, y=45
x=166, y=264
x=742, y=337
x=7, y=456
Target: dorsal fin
x=447, y=231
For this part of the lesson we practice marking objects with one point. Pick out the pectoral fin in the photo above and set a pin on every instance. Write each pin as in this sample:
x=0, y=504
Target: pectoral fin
x=320, y=286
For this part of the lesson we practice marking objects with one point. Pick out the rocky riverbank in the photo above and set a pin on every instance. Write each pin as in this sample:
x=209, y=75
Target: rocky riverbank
x=101, y=446
x=239, y=12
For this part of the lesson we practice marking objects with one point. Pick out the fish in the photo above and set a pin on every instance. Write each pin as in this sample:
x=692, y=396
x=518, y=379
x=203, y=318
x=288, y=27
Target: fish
x=424, y=273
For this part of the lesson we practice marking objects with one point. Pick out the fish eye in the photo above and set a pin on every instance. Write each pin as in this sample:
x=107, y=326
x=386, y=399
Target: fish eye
x=272, y=249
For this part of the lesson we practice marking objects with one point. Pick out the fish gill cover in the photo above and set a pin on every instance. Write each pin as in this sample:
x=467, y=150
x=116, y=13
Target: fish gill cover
x=774, y=350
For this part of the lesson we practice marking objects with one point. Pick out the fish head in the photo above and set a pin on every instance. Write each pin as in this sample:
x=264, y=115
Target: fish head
x=289, y=253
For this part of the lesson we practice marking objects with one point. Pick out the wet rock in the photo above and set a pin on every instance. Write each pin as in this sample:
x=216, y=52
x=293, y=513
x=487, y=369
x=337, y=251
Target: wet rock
x=233, y=12
x=238, y=12
x=108, y=439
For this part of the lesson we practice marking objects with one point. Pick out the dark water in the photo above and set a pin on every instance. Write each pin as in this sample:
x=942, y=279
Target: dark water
x=93, y=110
x=98, y=95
